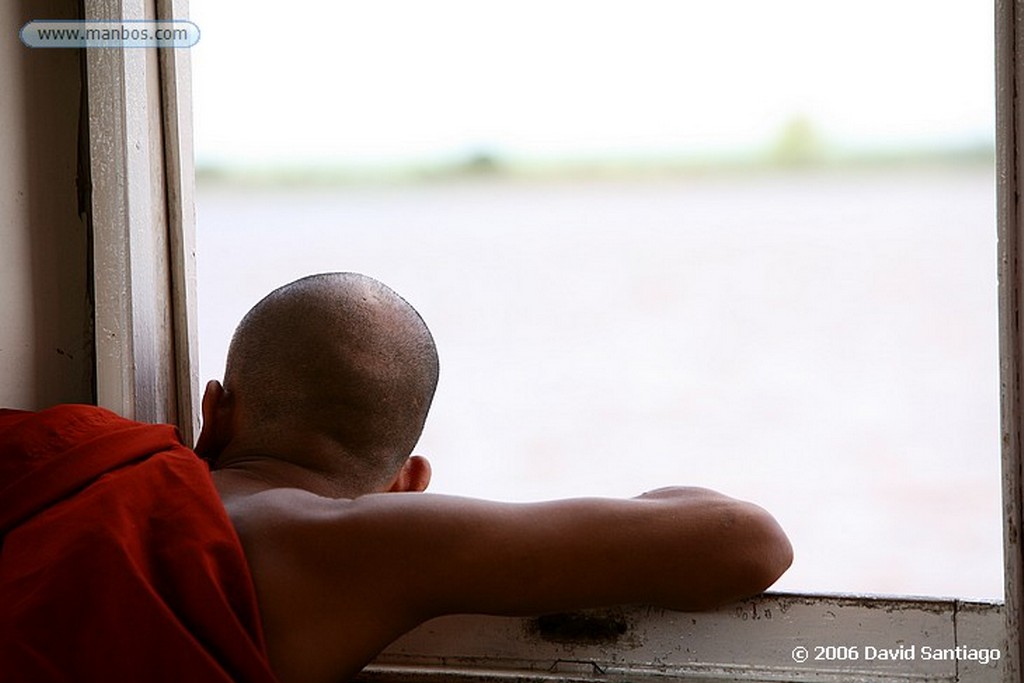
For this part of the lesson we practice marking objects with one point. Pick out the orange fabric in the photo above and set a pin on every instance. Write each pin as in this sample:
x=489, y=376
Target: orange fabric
x=118, y=561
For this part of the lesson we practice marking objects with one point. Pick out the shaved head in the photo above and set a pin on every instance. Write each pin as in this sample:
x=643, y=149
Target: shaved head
x=338, y=358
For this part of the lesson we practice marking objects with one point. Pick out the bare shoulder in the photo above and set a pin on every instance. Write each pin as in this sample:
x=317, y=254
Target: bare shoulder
x=326, y=610
x=339, y=579
x=254, y=511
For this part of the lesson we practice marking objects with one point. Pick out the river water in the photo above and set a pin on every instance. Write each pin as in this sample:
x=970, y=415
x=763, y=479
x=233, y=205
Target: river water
x=821, y=343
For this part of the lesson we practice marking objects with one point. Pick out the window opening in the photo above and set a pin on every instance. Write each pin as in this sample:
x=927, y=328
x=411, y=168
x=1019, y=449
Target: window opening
x=753, y=255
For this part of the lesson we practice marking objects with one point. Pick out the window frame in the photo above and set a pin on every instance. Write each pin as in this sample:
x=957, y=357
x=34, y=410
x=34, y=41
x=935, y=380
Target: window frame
x=143, y=228
x=142, y=221
x=1009, y=65
x=758, y=639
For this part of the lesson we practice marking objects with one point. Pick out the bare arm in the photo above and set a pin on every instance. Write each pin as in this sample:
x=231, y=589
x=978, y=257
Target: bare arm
x=367, y=570
x=685, y=549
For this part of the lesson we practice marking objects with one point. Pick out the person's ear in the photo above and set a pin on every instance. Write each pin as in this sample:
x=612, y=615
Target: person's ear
x=216, y=430
x=414, y=477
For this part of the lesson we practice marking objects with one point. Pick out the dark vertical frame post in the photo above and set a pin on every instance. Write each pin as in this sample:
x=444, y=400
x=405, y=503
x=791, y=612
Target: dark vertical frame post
x=1008, y=161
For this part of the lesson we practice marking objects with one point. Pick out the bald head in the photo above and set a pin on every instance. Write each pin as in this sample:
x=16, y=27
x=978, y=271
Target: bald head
x=338, y=360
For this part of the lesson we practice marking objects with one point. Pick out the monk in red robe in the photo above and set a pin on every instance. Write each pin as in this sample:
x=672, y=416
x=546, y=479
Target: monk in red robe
x=126, y=558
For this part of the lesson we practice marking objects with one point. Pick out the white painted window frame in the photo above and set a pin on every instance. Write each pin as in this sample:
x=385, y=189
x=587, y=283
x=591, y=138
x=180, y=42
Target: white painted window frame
x=761, y=639
x=143, y=222
x=140, y=147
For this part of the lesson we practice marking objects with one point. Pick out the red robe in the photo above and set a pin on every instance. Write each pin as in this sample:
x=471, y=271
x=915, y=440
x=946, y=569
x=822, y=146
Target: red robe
x=118, y=562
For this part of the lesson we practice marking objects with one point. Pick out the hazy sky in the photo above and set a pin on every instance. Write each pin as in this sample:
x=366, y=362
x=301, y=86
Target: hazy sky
x=407, y=80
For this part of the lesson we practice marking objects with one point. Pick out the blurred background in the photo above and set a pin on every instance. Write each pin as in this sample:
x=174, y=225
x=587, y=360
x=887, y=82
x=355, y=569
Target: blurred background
x=749, y=246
